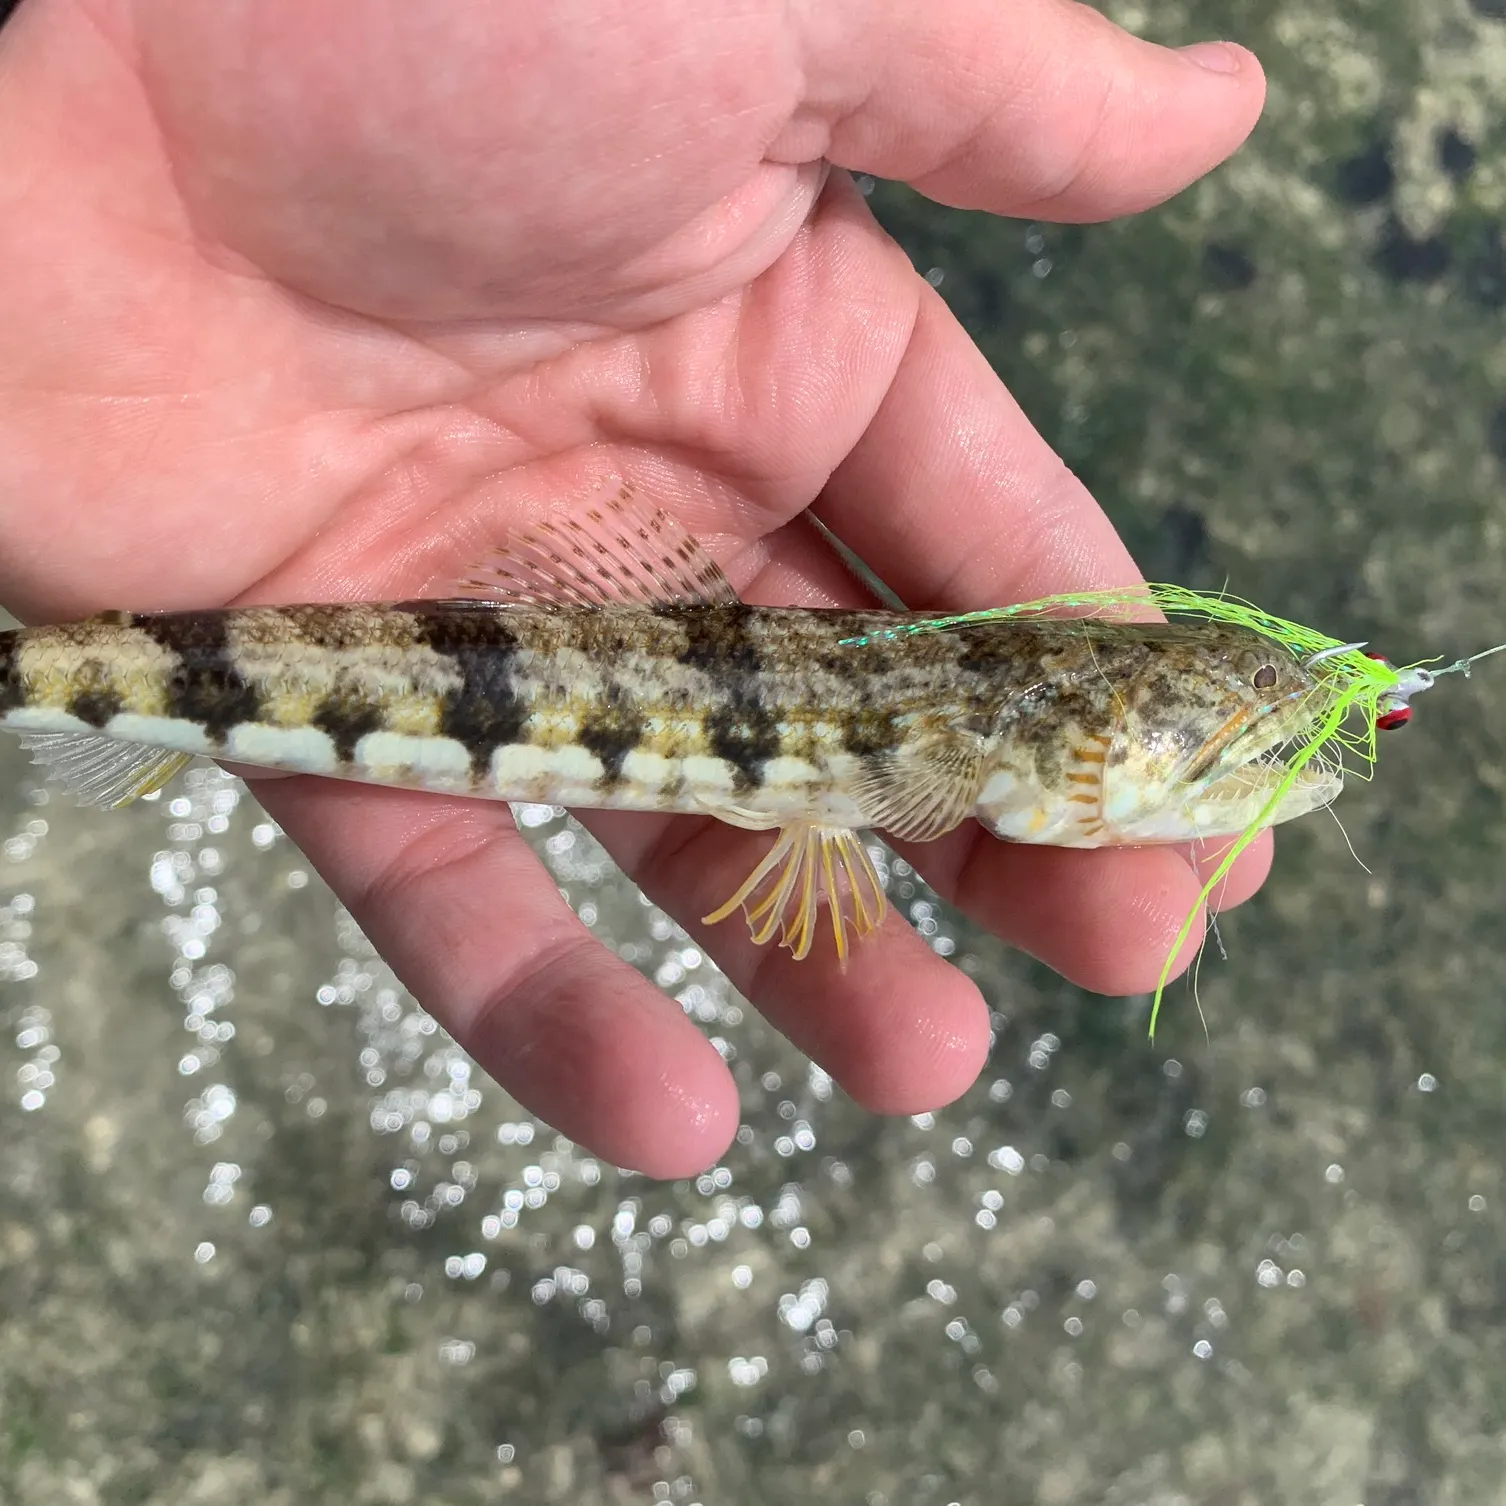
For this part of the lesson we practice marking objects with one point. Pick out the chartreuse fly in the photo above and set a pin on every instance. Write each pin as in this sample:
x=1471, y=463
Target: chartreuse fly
x=604, y=660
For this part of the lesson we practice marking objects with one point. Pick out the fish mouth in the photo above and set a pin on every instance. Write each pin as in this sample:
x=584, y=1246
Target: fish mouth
x=1246, y=762
x=1257, y=769
x=1263, y=793
x=1249, y=740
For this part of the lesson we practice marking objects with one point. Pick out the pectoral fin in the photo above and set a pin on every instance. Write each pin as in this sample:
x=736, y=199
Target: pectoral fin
x=806, y=865
x=925, y=788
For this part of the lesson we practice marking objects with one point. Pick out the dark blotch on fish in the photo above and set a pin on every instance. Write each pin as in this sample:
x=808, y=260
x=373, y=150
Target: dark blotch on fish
x=484, y=713
x=611, y=731
x=746, y=735
x=96, y=705
x=868, y=731
x=12, y=692
x=347, y=719
x=875, y=657
x=718, y=641
x=206, y=685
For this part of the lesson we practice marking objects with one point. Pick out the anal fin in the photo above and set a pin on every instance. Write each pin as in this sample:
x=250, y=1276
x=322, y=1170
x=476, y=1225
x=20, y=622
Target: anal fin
x=734, y=814
x=101, y=771
x=806, y=865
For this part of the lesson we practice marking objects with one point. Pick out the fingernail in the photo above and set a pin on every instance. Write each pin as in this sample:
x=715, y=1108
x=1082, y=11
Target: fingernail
x=1216, y=57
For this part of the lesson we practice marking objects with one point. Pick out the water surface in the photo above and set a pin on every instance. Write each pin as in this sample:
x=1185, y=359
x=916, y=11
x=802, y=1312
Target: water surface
x=265, y=1234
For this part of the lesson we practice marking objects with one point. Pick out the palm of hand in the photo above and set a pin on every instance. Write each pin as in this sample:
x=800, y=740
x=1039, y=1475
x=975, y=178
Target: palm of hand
x=328, y=309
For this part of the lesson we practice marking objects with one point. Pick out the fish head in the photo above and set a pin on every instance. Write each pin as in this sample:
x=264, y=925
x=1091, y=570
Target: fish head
x=1196, y=748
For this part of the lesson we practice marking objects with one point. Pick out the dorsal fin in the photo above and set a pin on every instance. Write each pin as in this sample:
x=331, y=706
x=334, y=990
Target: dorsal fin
x=618, y=551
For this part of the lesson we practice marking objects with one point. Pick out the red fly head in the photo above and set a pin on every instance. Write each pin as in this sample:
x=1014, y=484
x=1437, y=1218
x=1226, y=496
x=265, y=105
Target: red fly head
x=1397, y=713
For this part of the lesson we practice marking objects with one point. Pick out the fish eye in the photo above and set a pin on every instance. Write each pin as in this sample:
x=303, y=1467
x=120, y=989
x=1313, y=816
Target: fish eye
x=1265, y=677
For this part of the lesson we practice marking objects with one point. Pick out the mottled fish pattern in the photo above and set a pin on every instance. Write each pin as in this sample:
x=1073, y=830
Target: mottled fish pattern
x=608, y=664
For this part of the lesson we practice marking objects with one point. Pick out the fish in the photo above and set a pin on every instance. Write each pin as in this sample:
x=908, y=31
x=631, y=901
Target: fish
x=605, y=661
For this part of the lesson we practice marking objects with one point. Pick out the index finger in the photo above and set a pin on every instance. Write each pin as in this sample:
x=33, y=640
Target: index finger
x=954, y=499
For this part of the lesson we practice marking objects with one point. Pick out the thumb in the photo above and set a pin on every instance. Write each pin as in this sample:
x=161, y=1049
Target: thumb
x=1035, y=108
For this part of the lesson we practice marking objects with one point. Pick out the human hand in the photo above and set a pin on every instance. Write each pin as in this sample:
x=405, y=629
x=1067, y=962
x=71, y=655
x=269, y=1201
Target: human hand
x=310, y=303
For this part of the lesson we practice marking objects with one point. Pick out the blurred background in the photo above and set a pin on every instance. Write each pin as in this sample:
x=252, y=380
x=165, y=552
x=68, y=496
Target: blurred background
x=266, y=1235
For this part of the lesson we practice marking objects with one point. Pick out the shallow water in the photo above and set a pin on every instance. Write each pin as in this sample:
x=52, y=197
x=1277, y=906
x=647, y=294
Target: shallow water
x=266, y=1234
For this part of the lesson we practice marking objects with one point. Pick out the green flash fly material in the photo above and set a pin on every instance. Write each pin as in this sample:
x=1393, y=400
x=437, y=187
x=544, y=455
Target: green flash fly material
x=603, y=660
